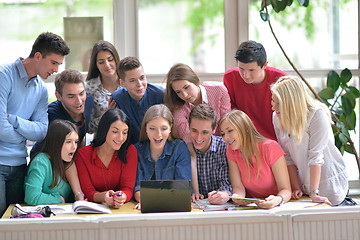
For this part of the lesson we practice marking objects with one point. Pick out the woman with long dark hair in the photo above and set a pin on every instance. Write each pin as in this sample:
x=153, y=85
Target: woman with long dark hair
x=102, y=80
x=46, y=182
x=107, y=168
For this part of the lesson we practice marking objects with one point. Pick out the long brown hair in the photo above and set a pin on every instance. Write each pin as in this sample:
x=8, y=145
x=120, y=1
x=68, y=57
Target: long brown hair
x=100, y=46
x=178, y=72
x=54, y=140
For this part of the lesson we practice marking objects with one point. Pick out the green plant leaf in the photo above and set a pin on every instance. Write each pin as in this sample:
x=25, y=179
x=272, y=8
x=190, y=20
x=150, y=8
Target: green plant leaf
x=327, y=93
x=343, y=138
x=351, y=121
x=347, y=105
x=304, y=3
x=345, y=132
x=345, y=75
x=348, y=148
x=340, y=125
x=289, y=2
x=264, y=16
x=278, y=5
x=338, y=143
x=333, y=80
x=350, y=97
x=354, y=91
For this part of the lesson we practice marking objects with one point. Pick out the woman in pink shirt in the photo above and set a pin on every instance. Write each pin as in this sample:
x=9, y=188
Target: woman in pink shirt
x=257, y=165
x=184, y=91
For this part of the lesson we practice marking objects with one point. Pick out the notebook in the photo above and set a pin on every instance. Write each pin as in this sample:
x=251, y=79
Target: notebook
x=165, y=196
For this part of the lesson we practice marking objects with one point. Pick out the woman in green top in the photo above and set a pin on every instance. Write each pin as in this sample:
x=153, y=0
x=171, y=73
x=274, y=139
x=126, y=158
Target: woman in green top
x=46, y=182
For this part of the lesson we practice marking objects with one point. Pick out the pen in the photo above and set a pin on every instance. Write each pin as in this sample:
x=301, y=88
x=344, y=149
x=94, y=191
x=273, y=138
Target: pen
x=118, y=194
x=215, y=192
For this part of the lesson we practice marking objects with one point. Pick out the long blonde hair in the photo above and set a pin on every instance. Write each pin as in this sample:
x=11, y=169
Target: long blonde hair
x=249, y=138
x=294, y=102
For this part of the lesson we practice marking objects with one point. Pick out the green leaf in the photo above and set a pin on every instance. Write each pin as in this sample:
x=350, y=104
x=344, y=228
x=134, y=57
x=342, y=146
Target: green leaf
x=351, y=98
x=345, y=132
x=301, y=2
x=333, y=80
x=327, y=93
x=340, y=125
x=304, y=3
x=354, y=91
x=343, y=139
x=351, y=121
x=345, y=75
x=289, y=2
x=338, y=143
x=264, y=16
x=348, y=148
x=278, y=5
x=347, y=105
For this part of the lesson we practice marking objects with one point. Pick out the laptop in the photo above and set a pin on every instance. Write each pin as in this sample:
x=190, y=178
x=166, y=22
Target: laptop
x=165, y=196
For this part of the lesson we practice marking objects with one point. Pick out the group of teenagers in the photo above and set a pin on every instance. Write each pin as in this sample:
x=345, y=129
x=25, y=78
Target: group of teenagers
x=258, y=134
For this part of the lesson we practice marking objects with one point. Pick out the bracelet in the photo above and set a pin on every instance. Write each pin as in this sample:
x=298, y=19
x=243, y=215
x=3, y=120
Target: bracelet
x=314, y=192
x=282, y=200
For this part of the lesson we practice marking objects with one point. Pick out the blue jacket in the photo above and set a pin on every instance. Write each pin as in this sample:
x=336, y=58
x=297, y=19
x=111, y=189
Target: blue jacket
x=173, y=164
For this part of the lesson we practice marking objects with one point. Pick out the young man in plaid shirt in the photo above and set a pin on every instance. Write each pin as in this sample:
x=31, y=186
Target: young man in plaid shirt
x=212, y=168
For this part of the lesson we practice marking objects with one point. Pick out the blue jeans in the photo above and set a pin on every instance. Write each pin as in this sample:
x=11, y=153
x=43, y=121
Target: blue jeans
x=11, y=186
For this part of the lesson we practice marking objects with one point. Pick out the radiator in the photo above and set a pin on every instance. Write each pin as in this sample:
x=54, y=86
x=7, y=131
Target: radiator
x=339, y=226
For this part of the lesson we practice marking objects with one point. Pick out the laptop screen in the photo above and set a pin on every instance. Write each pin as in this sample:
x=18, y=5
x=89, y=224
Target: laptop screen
x=165, y=196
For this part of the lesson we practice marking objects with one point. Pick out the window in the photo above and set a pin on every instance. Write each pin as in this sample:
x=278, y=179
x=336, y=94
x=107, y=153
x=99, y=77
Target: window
x=191, y=32
x=326, y=39
x=22, y=21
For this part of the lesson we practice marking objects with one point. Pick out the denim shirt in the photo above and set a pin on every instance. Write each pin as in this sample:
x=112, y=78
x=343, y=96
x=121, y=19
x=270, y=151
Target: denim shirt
x=173, y=164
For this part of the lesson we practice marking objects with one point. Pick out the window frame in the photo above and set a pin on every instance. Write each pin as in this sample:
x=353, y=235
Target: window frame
x=236, y=31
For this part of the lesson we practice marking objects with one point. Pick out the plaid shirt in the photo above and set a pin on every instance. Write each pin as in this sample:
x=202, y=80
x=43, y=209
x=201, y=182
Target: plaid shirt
x=212, y=168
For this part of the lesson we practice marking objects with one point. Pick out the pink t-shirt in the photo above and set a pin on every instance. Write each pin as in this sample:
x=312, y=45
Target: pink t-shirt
x=265, y=184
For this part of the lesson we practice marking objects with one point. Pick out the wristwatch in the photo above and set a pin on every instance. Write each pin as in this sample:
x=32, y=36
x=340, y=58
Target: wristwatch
x=314, y=192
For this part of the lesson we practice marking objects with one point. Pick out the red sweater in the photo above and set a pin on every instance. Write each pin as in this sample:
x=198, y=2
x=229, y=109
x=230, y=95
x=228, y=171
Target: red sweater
x=95, y=177
x=254, y=100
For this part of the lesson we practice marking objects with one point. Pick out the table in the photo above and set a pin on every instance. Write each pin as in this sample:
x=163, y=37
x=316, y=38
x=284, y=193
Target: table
x=128, y=208
x=320, y=223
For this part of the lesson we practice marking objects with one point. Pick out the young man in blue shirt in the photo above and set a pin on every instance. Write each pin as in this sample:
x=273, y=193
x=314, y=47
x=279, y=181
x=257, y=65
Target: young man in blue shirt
x=137, y=95
x=23, y=111
x=212, y=171
x=72, y=104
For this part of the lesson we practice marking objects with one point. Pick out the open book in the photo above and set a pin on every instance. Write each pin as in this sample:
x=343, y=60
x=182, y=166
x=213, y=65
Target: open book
x=77, y=207
x=89, y=207
x=206, y=206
